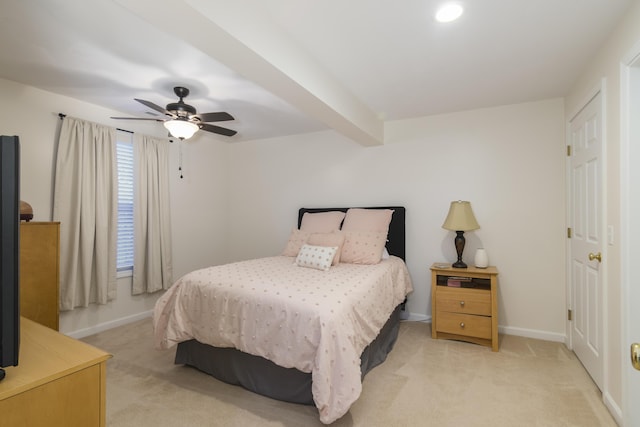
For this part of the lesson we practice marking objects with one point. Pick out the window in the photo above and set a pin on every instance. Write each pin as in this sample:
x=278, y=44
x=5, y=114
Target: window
x=124, y=154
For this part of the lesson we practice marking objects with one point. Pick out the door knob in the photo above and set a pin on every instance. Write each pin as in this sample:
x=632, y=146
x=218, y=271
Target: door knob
x=635, y=355
x=597, y=256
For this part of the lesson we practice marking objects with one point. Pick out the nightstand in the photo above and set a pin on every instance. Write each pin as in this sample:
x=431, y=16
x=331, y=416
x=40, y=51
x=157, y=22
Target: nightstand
x=464, y=304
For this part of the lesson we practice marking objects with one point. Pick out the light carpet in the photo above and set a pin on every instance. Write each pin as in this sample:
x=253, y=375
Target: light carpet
x=423, y=382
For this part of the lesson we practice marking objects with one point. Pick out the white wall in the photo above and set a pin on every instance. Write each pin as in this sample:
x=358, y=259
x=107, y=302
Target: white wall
x=606, y=65
x=508, y=161
x=238, y=201
x=199, y=211
x=199, y=203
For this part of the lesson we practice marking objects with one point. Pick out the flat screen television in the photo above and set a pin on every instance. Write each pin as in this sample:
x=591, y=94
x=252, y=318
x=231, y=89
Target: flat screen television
x=9, y=252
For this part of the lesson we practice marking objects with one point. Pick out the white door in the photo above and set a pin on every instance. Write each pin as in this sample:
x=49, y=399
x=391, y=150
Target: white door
x=630, y=231
x=585, y=138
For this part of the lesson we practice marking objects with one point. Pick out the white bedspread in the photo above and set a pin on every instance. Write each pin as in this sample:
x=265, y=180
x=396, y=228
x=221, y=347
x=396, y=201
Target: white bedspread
x=315, y=321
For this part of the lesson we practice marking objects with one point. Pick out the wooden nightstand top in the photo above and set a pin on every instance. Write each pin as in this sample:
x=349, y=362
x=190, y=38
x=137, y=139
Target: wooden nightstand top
x=447, y=269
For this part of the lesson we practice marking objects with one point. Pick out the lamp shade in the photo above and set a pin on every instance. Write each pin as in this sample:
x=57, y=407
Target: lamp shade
x=181, y=128
x=460, y=217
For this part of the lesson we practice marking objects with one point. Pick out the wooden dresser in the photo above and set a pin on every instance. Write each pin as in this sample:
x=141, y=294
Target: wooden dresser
x=59, y=381
x=40, y=272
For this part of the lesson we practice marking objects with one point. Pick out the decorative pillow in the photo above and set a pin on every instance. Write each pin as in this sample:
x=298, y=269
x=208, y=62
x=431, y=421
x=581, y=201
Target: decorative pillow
x=363, y=247
x=328, y=239
x=296, y=240
x=367, y=220
x=322, y=222
x=318, y=257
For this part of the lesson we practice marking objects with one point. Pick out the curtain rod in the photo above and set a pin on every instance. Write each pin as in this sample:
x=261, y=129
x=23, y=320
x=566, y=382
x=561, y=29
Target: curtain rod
x=62, y=116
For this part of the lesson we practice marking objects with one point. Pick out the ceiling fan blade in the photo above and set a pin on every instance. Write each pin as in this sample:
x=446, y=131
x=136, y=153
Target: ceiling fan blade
x=215, y=117
x=137, y=118
x=153, y=106
x=217, y=129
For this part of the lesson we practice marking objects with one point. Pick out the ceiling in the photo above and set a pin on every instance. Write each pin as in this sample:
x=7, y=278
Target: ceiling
x=285, y=67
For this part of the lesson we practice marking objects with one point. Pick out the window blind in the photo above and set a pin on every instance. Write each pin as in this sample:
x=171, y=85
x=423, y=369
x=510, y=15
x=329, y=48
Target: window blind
x=124, y=153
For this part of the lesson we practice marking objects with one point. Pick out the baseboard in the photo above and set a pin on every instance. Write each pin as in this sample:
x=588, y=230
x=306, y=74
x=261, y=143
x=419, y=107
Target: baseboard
x=532, y=333
x=101, y=327
x=416, y=317
x=613, y=408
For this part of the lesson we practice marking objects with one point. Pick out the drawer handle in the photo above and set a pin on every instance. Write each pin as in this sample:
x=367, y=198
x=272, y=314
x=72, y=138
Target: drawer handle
x=461, y=303
x=462, y=325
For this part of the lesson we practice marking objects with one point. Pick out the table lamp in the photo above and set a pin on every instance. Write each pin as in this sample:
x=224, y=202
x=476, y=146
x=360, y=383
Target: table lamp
x=460, y=219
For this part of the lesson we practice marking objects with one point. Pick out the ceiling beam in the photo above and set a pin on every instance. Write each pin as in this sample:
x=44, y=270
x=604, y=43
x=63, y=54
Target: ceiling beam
x=244, y=39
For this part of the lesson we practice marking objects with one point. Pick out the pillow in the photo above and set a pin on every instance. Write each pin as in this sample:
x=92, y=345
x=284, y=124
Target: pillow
x=296, y=240
x=363, y=247
x=328, y=239
x=385, y=253
x=322, y=222
x=367, y=220
x=318, y=257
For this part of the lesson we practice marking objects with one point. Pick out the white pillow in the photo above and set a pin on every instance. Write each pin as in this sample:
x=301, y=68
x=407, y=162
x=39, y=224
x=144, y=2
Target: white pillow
x=318, y=257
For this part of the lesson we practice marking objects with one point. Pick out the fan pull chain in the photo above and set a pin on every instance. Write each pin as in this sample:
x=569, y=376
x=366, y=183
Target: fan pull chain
x=180, y=158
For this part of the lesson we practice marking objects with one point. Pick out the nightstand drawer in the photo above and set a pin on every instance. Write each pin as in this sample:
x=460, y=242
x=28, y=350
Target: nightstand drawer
x=459, y=300
x=465, y=324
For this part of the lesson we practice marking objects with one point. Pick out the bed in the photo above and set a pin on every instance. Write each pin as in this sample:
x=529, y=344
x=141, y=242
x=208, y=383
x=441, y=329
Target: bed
x=301, y=335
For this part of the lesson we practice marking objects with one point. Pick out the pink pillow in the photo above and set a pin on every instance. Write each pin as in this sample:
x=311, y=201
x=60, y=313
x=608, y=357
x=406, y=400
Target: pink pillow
x=322, y=222
x=335, y=239
x=296, y=240
x=363, y=247
x=367, y=220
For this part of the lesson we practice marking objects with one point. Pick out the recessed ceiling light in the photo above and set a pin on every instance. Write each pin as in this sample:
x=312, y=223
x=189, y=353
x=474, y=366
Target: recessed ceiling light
x=449, y=12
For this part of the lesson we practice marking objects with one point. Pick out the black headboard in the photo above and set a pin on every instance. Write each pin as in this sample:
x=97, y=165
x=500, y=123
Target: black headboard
x=396, y=236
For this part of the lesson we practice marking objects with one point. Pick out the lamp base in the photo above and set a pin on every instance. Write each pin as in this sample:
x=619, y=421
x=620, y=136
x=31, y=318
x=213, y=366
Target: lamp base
x=459, y=264
x=459, y=242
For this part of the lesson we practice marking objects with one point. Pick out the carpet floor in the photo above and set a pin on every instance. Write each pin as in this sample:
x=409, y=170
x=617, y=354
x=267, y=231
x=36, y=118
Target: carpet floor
x=423, y=382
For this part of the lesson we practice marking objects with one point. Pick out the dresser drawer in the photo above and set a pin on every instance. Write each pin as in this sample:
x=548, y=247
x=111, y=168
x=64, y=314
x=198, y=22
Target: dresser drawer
x=460, y=300
x=465, y=324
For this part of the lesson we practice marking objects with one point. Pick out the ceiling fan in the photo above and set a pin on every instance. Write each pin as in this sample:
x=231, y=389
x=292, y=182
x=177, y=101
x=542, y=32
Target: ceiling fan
x=183, y=120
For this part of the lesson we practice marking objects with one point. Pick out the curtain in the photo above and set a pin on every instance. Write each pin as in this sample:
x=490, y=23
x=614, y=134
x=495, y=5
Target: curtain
x=152, y=258
x=85, y=202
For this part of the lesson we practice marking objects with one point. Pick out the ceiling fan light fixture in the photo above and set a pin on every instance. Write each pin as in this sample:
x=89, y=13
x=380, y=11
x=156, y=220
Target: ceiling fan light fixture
x=184, y=121
x=181, y=128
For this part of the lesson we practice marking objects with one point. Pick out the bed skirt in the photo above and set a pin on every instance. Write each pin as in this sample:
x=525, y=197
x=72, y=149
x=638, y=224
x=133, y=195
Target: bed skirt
x=264, y=377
